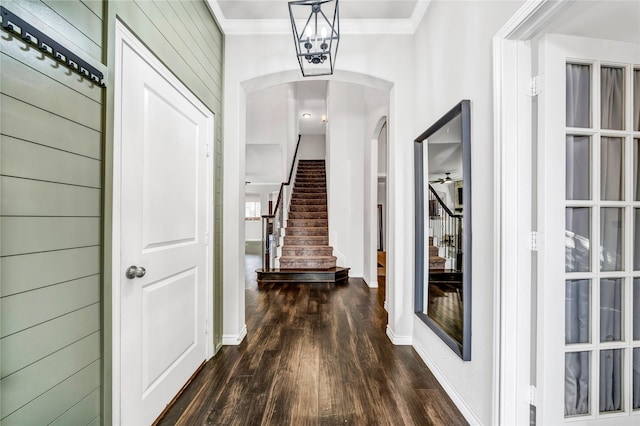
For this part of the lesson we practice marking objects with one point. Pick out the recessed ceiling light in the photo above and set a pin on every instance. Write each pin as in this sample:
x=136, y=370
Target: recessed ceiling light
x=306, y=115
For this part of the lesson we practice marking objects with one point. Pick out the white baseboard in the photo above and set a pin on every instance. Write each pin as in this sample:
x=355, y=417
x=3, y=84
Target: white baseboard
x=448, y=388
x=398, y=340
x=386, y=306
x=234, y=339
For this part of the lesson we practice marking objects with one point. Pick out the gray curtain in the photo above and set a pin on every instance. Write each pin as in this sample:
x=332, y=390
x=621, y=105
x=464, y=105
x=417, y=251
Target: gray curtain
x=577, y=250
x=578, y=95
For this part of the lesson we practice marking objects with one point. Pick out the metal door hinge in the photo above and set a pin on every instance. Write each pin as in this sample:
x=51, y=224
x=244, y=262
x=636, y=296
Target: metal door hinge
x=206, y=326
x=206, y=238
x=208, y=150
x=534, y=241
x=532, y=395
x=535, y=87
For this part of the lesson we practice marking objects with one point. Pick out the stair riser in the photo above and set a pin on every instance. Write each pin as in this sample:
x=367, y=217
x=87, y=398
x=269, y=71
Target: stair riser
x=301, y=208
x=309, y=190
x=307, y=251
x=308, y=215
x=306, y=241
x=319, y=184
x=308, y=201
x=307, y=223
x=304, y=194
x=307, y=264
x=316, y=232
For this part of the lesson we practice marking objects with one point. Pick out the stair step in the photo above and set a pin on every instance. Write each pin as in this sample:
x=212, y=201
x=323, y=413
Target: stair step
x=307, y=262
x=310, y=184
x=319, y=190
x=307, y=223
x=433, y=250
x=308, y=215
x=308, y=201
x=335, y=275
x=306, y=240
x=306, y=231
x=307, y=194
x=436, y=262
x=307, y=250
x=295, y=208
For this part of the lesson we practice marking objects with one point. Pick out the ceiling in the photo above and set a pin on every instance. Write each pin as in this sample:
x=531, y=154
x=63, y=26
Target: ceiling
x=356, y=16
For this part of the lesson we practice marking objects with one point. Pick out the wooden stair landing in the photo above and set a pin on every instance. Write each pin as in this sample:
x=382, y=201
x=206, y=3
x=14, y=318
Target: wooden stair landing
x=335, y=275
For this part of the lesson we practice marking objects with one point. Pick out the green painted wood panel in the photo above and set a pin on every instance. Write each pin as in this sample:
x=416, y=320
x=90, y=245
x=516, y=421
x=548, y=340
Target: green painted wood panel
x=156, y=38
x=23, y=82
x=22, y=349
x=30, y=56
x=50, y=220
x=47, y=303
x=26, y=122
x=57, y=400
x=21, y=235
x=209, y=36
x=47, y=268
x=24, y=386
x=95, y=6
x=82, y=413
x=55, y=26
x=83, y=19
x=188, y=40
x=24, y=197
x=33, y=161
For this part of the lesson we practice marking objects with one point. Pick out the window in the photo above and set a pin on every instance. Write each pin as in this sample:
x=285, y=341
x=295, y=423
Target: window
x=252, y=210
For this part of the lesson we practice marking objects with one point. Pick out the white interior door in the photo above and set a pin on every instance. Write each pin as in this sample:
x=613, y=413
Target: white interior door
x=589, y=182
x=163, y=133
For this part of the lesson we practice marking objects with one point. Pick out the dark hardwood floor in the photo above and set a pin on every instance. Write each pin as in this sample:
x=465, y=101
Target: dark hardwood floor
x=315, y=354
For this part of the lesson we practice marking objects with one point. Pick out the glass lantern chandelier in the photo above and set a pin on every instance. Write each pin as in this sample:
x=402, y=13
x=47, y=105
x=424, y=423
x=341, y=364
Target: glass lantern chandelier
x=315, y=36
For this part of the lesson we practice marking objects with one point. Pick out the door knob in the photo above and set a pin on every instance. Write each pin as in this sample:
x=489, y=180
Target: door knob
x=135, y=272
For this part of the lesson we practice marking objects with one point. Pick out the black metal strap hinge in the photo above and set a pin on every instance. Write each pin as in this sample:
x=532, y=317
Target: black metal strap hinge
x=14, y=24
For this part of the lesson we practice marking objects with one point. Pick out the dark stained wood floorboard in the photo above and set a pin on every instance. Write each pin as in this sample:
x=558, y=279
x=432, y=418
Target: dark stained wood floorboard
x=315, y=354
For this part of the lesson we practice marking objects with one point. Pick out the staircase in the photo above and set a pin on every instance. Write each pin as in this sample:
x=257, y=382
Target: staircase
x=306, y=240
x=306, y=257
x=436, y=263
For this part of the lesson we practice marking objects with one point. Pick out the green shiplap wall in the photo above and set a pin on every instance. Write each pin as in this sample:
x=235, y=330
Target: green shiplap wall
x=186, y=38
x=50, y=221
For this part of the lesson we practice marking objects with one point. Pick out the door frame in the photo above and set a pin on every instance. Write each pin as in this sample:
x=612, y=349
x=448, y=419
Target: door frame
x=513, y=321
x=124, y=35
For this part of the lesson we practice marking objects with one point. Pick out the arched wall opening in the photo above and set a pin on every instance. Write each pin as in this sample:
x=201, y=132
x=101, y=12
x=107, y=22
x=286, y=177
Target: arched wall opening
x=377, y=105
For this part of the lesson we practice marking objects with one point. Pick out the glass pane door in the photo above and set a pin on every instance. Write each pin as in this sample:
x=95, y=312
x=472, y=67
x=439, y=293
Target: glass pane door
x=602, y=240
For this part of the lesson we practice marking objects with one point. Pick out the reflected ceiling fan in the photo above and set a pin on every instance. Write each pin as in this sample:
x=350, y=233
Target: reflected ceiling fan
x=447, y=179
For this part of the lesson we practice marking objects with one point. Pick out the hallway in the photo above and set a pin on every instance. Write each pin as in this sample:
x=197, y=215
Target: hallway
x=314, y=355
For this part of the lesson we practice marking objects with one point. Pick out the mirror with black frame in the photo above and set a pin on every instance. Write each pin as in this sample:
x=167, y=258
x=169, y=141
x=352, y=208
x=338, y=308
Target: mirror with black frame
x=443, y=228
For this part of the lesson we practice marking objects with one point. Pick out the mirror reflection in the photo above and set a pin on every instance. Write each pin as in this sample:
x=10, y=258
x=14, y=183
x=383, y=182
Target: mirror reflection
x=443, y=228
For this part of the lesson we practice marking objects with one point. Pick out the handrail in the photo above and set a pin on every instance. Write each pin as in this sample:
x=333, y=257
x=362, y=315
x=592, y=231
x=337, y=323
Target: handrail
x=444, y=206
x=288, y=182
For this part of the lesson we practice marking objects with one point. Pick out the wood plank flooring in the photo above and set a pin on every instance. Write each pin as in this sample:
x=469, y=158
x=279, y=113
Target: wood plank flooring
x=315, y=354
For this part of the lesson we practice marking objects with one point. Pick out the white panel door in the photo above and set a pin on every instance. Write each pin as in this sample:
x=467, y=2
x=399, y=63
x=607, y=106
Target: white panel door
x=589, y=201
x=164, y=207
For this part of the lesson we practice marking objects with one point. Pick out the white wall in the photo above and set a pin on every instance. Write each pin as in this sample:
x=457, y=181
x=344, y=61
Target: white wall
x=394, y=74
x=345, y=177
x=453, y=62
x=312, y=147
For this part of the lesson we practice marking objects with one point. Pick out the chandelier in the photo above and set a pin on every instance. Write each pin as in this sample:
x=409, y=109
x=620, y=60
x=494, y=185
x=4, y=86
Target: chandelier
x=315, y=36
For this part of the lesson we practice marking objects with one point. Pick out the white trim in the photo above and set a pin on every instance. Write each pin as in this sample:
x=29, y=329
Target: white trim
x=234, y=339
x=512, y=319
x=373, y=284
x=456, y=398
x=398, y=340
x=122, y=36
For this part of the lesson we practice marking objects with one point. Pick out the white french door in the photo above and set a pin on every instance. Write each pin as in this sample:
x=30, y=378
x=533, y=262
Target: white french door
x=589, y=213
x=162, y=216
